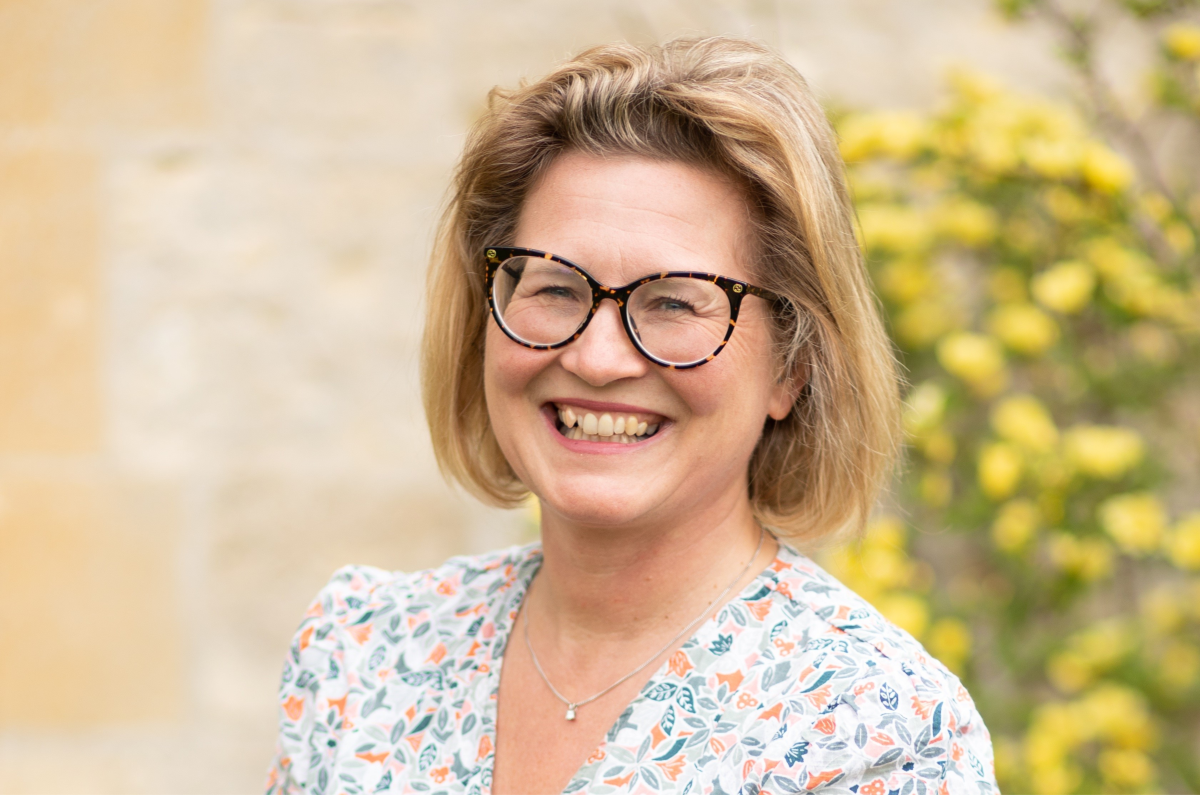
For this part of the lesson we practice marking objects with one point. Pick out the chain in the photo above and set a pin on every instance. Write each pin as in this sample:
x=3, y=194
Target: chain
x=574, y=705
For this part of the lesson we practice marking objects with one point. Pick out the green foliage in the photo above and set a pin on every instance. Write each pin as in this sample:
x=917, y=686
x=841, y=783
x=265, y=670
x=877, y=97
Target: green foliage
x=1040, y=279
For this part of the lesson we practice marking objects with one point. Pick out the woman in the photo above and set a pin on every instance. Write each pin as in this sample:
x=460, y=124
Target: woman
x=646, y=307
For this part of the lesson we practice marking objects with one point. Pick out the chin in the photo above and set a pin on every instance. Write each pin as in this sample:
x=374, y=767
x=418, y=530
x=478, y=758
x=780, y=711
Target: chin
x=585, y=507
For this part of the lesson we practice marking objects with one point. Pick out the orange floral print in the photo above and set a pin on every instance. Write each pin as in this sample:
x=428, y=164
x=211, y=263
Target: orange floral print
x=680, y=664
x=293, y=707
x=876, y=787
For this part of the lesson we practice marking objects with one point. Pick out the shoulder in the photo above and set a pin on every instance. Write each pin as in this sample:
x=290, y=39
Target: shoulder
x=870, y=698
x=359, y=617
x=358, y=599
x=830, y=603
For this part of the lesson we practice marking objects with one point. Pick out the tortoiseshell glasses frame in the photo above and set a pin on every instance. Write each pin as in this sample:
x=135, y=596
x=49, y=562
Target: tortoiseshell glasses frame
x=734, y=289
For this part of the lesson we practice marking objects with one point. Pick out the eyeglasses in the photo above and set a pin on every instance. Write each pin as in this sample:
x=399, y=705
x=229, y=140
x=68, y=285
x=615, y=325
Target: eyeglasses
x=677, y=319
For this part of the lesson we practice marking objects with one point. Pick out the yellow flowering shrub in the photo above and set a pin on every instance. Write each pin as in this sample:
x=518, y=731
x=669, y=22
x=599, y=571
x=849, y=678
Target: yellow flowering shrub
x=1183, y=545
x=1182, y=41
x=975, y=358
x=1135, y=521
x=1039, y=275
x=1023, y=328
x=1103, y=451
x=1065, y=287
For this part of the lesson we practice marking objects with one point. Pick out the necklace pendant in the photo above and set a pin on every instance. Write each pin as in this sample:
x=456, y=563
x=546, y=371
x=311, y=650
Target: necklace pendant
x=570, y=712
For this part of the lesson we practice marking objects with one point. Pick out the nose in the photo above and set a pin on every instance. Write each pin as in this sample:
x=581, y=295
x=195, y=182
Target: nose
x=604, y=353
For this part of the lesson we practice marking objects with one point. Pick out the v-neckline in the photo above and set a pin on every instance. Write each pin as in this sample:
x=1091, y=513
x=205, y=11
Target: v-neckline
x=511, y=604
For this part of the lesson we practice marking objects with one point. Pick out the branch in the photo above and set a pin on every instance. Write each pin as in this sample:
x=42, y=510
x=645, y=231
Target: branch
x=1080, y=53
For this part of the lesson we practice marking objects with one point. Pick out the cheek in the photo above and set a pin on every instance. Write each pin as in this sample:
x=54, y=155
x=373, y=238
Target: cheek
x=507, y=370
x=738, y=380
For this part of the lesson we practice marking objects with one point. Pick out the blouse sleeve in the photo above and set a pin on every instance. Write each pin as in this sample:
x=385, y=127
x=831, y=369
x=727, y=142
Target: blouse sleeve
x=314, y=685
x=915, y=735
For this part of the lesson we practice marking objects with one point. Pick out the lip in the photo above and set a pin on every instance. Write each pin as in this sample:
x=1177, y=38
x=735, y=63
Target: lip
x=596, y=405
x=597, y=448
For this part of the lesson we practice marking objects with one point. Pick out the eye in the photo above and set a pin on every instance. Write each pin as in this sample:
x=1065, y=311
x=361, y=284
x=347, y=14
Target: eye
x=557, y=291
x=669, y=303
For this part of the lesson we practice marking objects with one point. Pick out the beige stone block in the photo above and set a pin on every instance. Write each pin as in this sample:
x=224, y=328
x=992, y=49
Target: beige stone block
x=123, y=63
x=89, y=607
x=50, y=398
x=277, y=540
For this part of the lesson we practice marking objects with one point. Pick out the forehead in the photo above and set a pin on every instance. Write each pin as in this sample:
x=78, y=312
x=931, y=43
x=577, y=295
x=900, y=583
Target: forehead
x=622, y=218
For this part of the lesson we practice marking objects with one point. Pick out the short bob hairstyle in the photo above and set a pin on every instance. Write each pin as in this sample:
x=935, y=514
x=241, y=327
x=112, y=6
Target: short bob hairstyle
x=735, y=108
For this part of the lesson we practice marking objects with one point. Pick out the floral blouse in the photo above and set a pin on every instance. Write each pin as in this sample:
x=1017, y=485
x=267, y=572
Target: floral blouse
x=796, y=685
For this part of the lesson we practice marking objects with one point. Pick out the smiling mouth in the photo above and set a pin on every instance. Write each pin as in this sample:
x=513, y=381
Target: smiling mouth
x=620, y=428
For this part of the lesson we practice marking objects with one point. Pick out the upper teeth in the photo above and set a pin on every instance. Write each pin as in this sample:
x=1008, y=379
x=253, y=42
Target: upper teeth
x=606, y=425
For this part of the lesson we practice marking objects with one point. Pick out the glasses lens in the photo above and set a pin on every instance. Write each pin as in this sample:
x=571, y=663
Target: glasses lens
x=540, y=301
x=679, y=320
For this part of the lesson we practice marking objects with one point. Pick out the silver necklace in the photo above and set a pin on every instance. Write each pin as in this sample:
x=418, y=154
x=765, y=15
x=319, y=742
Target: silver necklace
x=574, y=705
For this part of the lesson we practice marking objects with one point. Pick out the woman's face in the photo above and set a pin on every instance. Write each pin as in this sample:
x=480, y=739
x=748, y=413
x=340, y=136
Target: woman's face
x=621, y=218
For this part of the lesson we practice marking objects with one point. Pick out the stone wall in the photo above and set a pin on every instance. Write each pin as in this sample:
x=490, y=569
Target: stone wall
x=214, y=218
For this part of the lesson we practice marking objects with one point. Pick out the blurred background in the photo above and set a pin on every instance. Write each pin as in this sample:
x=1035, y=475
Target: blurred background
x=214, y=221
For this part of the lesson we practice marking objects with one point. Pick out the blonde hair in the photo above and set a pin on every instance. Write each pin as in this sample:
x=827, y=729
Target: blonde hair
x=723, y=104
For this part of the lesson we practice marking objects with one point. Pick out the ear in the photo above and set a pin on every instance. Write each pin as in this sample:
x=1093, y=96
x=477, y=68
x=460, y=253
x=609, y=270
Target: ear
x=785, y=391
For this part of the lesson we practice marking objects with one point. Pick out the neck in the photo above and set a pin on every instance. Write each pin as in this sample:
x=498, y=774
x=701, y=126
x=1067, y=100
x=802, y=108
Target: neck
x=623, y=585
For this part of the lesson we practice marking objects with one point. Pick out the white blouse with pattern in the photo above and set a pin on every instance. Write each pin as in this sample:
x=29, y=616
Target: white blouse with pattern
x=796, y=685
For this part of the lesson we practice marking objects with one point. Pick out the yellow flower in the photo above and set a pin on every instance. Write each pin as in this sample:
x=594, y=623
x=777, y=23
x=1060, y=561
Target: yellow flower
x=1182, y=40
x=950, y=642
x=1058, y=779
x=1135, y=521
x=924, y=408
x=1023, y=328
x=1053, y=732
x=900, y=135
x=1118, y=714
x=1113, y=260
x=1162, y=611
x=1104, y=169
x=1089, y=559
x=1067, y=287
x=965, y=221
x=1055, y=159
x=1015, y=524
x=1103, y=451
x=877, y=562
x=1000, y=466
x=887, y=567
x=1183, y=544
x=905, y=610
x=1022, y=419
x=1069, y=672
x=975, y=358
x=886, y=532
x=1179, y=665
x=905, y=280
x=1102, y=645
x=893, y=227
x=1125, y=769
x=922, y=322
x=939, y=447
x=1064, y=204
x=1155, y=205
